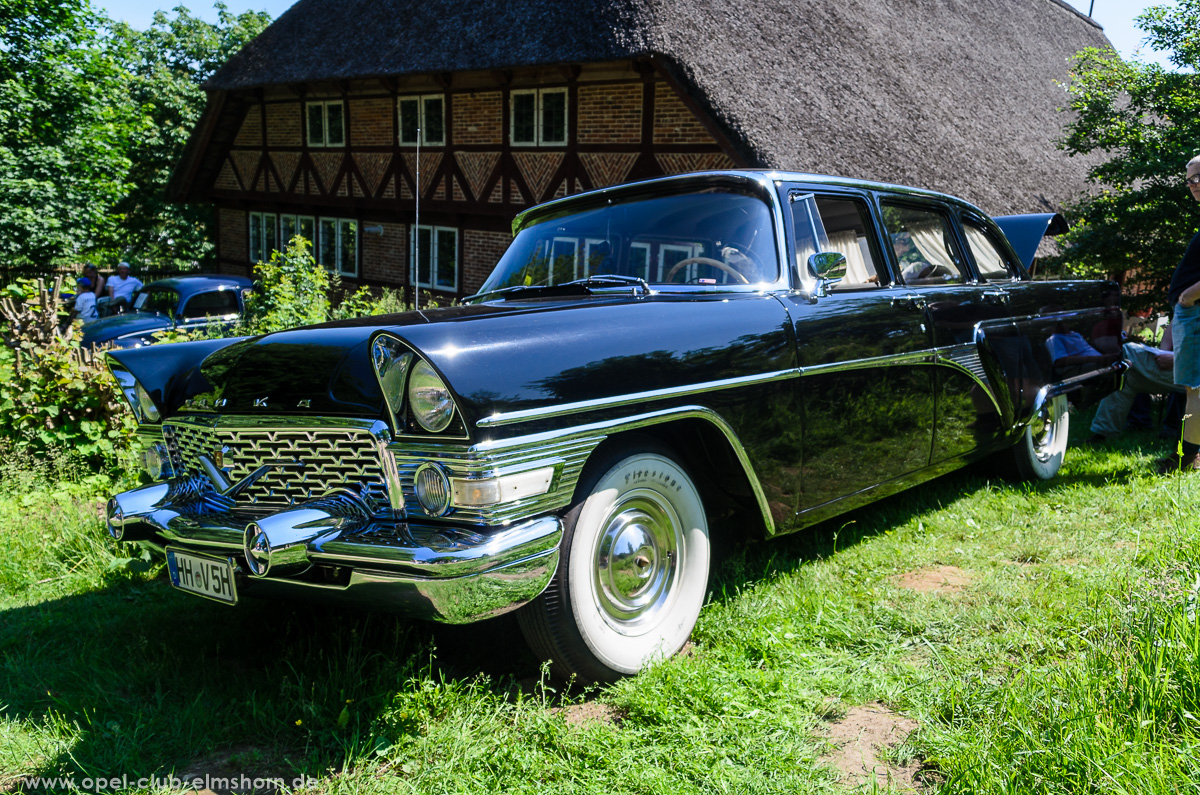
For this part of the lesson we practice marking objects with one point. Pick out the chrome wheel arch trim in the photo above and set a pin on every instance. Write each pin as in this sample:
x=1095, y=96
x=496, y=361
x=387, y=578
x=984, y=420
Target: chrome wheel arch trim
x=605, y=428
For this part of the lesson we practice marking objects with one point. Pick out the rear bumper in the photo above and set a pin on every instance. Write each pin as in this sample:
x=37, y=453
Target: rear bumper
x=328, y=551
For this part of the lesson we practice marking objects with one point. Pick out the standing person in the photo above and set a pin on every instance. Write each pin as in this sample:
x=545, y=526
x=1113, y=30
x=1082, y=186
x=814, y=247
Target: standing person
x=1183, y=295
x=121, y=288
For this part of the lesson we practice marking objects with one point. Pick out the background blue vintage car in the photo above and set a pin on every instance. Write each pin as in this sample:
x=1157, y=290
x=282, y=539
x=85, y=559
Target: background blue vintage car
x=176, y=302
x=650, y=367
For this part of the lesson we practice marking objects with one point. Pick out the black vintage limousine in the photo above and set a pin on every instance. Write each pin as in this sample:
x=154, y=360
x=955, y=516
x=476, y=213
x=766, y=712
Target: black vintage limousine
x=648, y=366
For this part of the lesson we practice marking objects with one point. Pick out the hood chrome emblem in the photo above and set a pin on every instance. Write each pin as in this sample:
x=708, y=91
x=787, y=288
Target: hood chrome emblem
x=304, y=404
x=260, y=403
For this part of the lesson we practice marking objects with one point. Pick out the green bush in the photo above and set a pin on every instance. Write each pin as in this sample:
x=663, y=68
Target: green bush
x=55, y=398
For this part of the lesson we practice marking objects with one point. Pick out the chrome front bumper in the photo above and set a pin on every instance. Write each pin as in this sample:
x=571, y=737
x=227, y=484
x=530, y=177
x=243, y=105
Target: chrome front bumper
x=333, y=549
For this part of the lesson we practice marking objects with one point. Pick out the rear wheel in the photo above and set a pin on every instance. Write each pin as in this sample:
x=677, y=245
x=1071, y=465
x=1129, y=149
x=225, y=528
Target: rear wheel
x=1039, y=454
x=632, y=572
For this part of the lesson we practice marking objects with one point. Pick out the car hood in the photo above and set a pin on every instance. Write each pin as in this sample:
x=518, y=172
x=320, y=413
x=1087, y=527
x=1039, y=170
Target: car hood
x=497, y=357
x=110, y=328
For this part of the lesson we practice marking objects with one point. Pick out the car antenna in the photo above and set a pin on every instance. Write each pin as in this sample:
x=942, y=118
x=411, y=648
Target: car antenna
x=417, y=229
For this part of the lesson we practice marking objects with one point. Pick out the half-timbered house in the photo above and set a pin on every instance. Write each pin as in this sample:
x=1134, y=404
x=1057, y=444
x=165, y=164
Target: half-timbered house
x=356, y=123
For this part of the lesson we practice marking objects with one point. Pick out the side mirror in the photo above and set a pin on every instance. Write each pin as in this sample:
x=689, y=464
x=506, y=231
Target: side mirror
x=829, y=267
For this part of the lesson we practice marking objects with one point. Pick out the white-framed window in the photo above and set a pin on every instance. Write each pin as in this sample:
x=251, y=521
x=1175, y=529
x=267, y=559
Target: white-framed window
x=264, y=236
x=434, y=257
x=337, y=245
x=326, y=123
x=670, y=254
x=597, y=256
x=564, y=259
x=426, y=113
x=639, y=260
x=538, y=117
x=303, y=225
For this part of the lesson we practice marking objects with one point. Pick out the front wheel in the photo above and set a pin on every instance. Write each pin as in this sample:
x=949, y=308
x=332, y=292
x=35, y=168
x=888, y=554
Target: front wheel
x=632, y=572
x=1039, y=454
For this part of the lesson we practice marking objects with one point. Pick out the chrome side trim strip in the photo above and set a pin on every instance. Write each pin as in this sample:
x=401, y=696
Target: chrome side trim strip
x=926, y=355
x=564, y=409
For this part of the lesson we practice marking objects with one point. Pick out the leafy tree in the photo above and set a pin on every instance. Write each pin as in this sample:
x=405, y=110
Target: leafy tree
x=63, y=119
x=1146, y=119
x=168, y=63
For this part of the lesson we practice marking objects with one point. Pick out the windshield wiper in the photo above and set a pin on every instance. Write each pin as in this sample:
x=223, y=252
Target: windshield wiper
x=597, y=280
x=607, y=279
x=501, y=291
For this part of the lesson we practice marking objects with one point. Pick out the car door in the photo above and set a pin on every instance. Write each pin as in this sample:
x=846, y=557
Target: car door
x=866, y=386
x=960, y=315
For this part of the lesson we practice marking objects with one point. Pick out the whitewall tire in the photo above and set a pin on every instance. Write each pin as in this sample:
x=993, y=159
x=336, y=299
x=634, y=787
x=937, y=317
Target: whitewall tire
x=632, y=573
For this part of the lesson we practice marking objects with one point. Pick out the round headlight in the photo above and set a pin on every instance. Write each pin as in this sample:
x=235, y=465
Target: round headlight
x=429, y=398
x=146, y=405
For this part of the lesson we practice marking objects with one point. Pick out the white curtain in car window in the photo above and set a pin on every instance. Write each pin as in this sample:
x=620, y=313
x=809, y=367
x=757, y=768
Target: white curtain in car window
x=847, y=244
x=930, y=240
x=991, y=266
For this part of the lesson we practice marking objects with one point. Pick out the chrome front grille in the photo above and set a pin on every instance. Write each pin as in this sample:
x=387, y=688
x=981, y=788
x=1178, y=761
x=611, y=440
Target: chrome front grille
x=308, y=458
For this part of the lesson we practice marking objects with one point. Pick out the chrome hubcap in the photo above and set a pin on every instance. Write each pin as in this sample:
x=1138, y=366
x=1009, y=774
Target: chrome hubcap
x=636, y=561
x=1044, y=431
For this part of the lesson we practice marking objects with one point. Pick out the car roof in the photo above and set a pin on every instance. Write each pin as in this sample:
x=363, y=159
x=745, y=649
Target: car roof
x=199, y=282
x=760, y=177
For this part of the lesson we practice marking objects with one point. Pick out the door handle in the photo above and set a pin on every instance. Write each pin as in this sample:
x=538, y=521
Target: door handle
x=997, y=297
x=911, y=302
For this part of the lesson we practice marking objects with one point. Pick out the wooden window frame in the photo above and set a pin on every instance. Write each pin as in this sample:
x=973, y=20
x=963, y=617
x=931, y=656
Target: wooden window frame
x=539, y=95
x=422, y=126
x=338, y=263
x=325, y=105
x=414, y=271
x=263, y=218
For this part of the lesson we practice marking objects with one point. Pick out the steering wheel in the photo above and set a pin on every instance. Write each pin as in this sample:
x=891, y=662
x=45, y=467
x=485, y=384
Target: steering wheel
x=710, y=262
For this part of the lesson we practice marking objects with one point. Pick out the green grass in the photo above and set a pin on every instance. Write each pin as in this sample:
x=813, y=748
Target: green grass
x=1068, y=662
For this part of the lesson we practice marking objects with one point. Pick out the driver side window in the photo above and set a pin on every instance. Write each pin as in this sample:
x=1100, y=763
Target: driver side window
x=922, y=243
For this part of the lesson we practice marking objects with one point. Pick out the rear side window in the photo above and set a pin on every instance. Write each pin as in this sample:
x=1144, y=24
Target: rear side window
x=923, y=244
x=989, y=257
x=848, y=228
x=222, y=302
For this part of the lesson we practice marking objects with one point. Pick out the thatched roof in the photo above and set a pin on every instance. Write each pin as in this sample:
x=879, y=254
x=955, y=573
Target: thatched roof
x=953, y=95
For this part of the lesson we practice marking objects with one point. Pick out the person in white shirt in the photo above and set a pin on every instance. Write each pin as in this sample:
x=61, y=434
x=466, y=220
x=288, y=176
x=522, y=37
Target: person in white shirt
x=121, y=288
x=85, y=301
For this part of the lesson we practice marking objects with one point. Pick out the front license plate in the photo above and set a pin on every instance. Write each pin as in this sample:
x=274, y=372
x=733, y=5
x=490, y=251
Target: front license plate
x=204, y=575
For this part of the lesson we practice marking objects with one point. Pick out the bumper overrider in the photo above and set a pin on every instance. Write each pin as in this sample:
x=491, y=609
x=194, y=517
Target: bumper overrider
x=352, y=543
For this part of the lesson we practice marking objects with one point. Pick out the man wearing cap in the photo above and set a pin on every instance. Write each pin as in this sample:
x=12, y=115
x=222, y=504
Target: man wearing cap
x=121, y=288
x=85, y=301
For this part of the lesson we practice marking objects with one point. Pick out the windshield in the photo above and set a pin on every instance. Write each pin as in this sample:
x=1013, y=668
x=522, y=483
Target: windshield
x=707, y=238
x=159, y=300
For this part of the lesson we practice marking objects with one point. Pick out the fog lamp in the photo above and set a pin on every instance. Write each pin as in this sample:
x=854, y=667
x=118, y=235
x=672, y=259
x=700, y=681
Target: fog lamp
x=156, y=461
x=432, y=486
